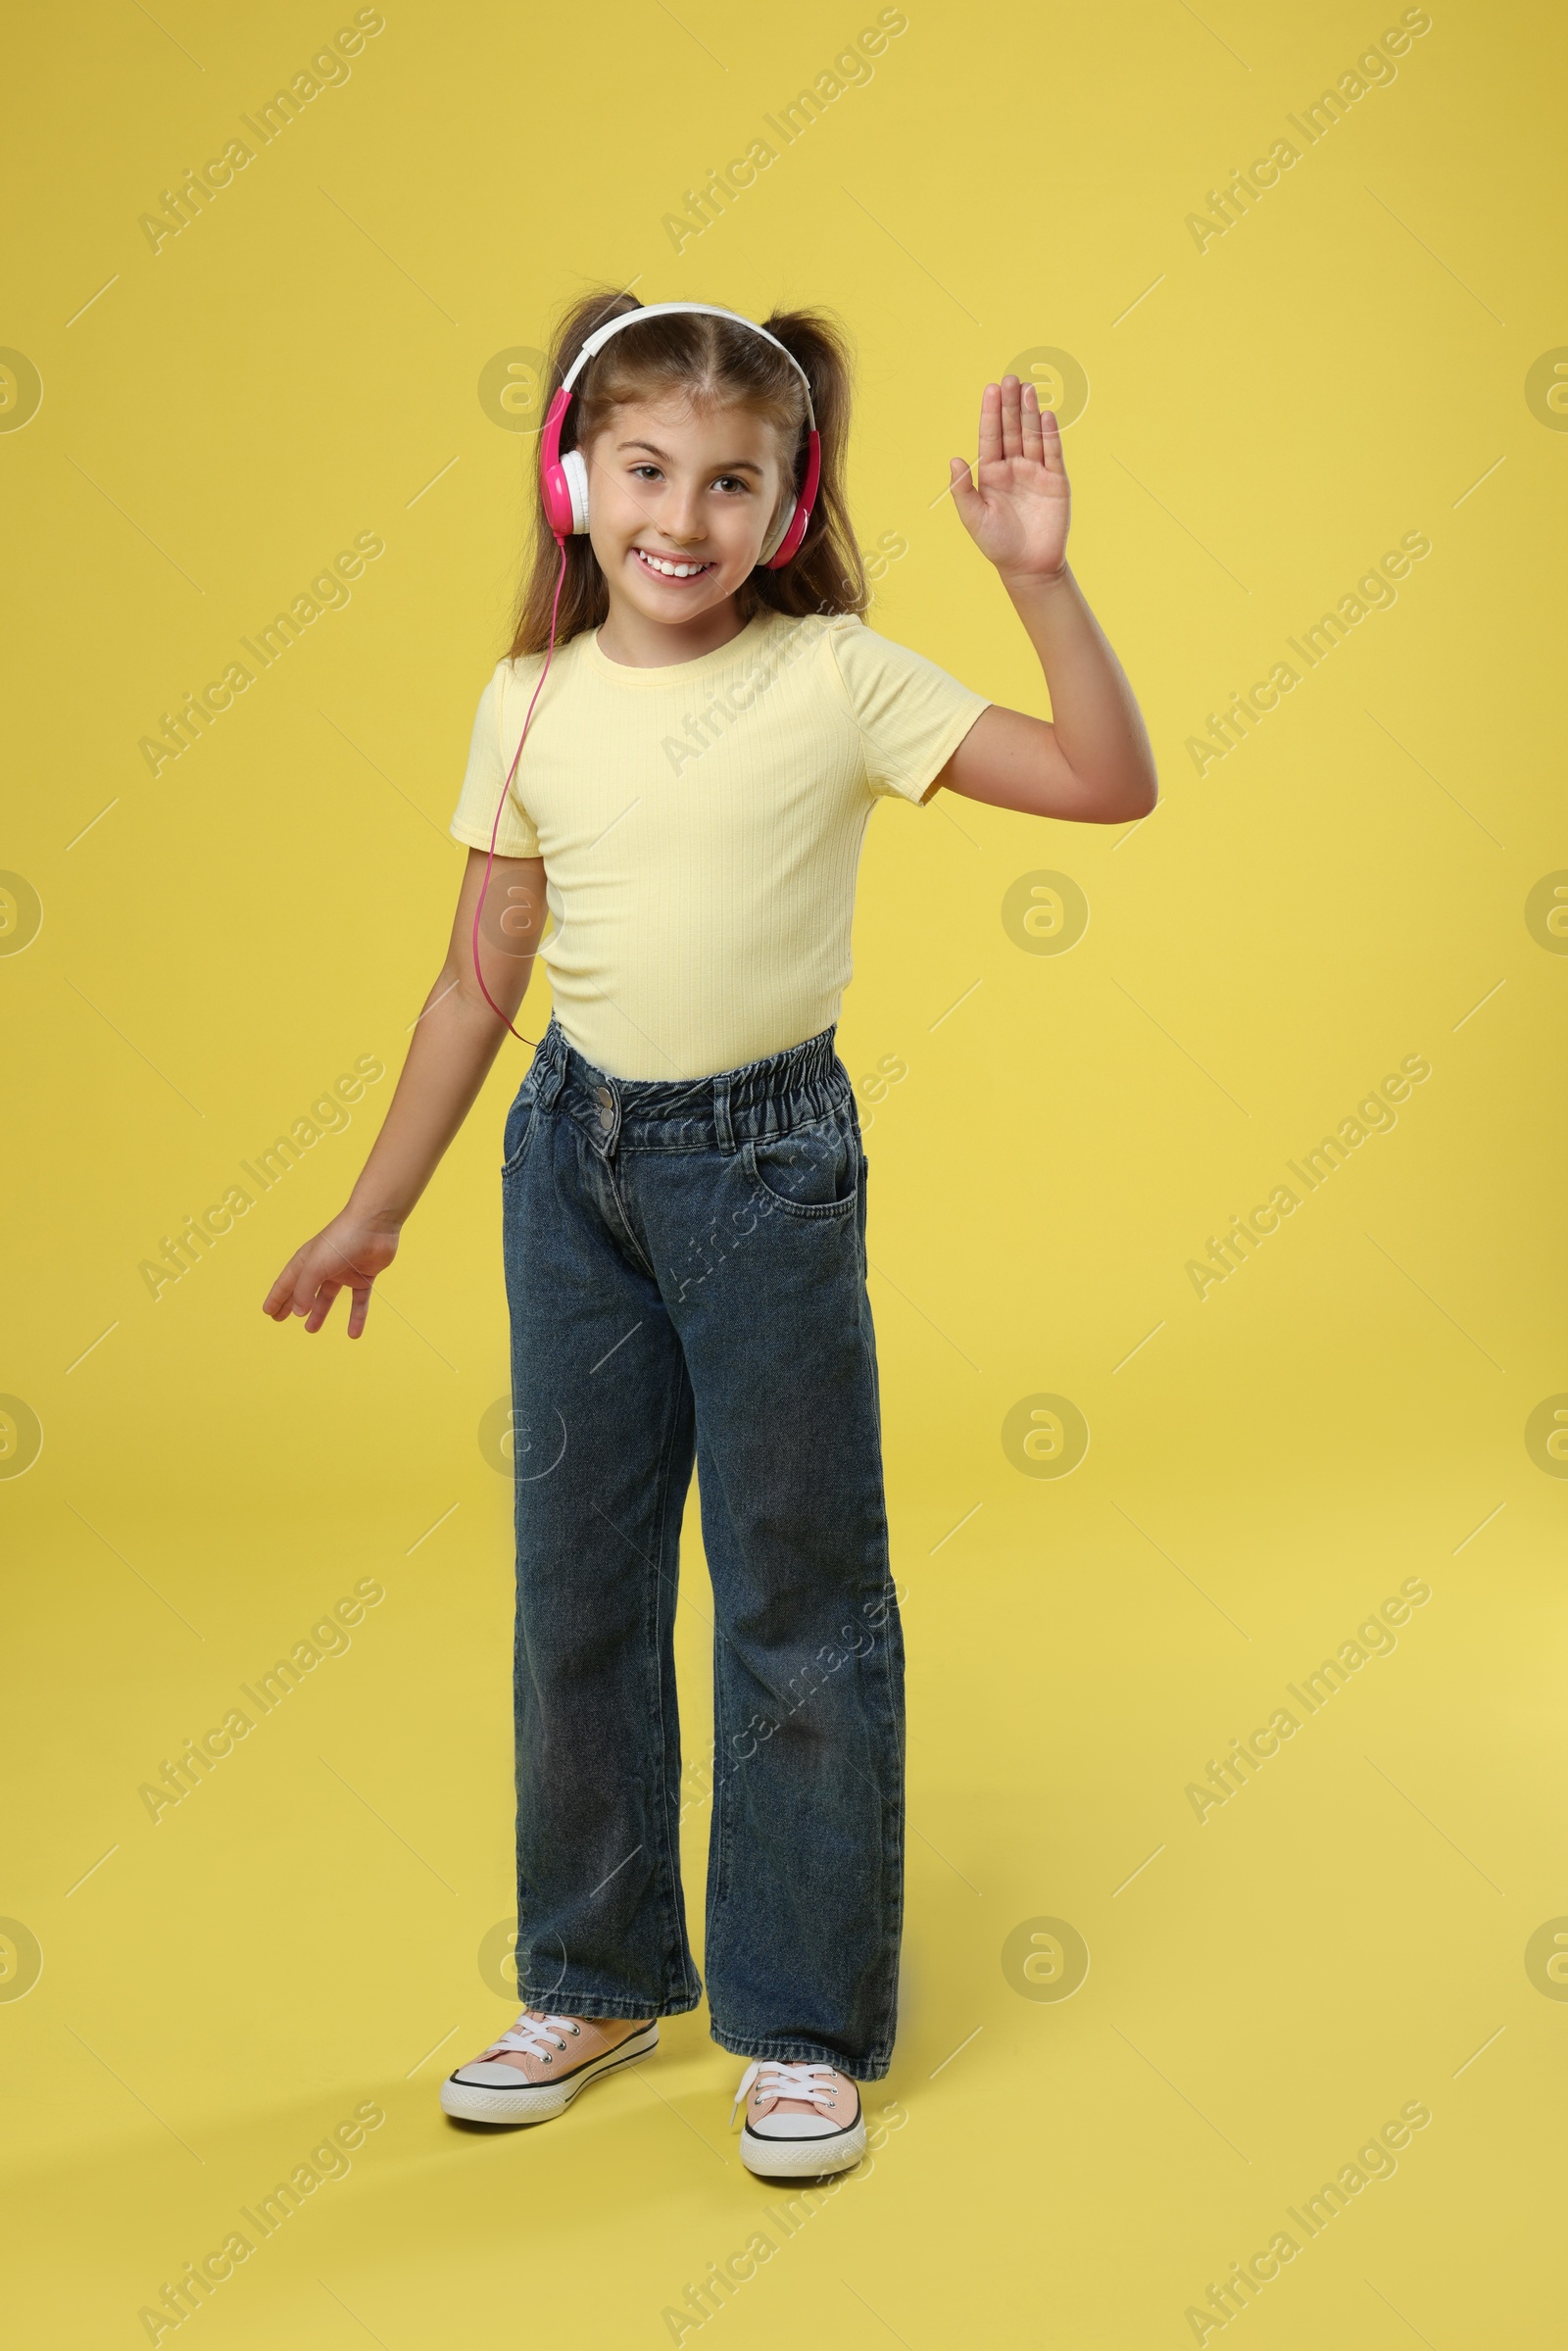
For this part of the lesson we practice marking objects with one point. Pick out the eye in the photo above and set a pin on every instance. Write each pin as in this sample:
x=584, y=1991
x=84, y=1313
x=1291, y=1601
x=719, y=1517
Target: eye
x=645, y=466
x=735, y=481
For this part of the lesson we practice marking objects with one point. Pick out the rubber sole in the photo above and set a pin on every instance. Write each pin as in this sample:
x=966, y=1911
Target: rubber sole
x=539, y=2101
x=803, y=2158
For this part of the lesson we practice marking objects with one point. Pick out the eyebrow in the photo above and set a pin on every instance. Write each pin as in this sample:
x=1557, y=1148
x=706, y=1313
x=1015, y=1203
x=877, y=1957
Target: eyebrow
x=739, y=465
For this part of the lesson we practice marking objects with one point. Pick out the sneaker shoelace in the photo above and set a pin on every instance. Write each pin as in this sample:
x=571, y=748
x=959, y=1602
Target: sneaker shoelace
x=812, y=2084
x=534, y=2037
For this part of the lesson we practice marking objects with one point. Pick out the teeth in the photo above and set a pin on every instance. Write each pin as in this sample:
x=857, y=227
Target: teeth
x=670, y=571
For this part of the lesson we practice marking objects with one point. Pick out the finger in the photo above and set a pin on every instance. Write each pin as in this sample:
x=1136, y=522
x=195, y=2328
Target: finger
x=961, y=482
x=1012, y=435
x=1029, y=422
x=1051, y=456
x=277, y=1299
x=359, y=1308
x=321, y=1305
x=990, y=424
x=307, y=1290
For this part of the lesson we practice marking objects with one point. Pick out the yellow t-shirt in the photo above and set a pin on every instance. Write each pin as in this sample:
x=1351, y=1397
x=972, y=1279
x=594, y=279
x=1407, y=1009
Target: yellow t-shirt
x=701, y=827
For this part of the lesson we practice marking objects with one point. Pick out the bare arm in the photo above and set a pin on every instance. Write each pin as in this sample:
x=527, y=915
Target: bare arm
x=1090, y=761
x=455, y=1043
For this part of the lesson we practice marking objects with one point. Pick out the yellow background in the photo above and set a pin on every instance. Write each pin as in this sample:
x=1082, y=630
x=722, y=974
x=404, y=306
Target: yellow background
x=1264, y=419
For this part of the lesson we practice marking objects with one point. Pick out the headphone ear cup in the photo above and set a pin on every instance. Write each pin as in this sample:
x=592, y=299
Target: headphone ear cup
x=785, y=547
x=777, y=536
x=574, y=473
x=553, y=489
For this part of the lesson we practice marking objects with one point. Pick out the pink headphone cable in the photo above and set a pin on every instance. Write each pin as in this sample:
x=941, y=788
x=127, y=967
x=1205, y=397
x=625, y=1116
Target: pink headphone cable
x=506, y=789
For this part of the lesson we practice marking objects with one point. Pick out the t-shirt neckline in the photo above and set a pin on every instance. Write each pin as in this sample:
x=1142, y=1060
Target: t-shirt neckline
x=676, y=673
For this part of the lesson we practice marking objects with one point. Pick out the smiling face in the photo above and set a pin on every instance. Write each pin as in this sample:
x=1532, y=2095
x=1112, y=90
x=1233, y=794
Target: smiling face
x=679, y=504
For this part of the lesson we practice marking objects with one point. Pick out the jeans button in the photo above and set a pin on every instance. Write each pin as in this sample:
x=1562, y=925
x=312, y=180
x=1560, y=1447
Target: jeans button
x=606, y=1106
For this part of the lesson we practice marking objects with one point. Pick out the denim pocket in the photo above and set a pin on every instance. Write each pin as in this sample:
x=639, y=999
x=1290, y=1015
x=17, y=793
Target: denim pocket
x=521, y=1120
x=814, y=1171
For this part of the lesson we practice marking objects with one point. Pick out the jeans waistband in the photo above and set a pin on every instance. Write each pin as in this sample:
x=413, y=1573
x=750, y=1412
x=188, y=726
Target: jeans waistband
x=769, y=1097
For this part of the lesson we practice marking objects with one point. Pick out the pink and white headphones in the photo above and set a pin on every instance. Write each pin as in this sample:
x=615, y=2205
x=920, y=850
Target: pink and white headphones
x=564, y=479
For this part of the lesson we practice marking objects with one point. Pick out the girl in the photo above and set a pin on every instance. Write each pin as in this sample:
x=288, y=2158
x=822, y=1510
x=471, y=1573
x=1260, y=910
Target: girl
x=684, y=1191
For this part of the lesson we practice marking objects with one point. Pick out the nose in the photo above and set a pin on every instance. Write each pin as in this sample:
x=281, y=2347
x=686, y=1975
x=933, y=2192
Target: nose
x=680, y=517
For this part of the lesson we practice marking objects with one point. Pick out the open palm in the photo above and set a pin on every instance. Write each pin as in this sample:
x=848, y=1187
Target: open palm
x=1019, y=515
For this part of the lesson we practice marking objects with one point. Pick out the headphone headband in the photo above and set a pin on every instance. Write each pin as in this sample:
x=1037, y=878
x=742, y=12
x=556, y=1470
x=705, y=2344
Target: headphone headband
x=663, y=310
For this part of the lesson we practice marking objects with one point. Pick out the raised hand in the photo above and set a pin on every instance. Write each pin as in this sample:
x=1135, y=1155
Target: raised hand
x=1018, y=515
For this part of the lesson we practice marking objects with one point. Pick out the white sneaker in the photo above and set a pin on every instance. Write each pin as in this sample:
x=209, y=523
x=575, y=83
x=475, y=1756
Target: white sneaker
x=802, y=2120
x=521, y=2077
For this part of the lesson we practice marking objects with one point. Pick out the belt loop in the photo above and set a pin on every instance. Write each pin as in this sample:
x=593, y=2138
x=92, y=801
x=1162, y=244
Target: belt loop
x=721, y=1118
x=551, y=1059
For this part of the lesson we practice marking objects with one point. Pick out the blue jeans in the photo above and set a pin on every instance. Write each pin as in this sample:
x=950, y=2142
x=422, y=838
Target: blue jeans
x=685, y=1268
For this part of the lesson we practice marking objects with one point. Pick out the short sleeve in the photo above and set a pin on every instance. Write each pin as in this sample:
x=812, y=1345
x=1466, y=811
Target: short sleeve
x=485, y=779
x=911, y=715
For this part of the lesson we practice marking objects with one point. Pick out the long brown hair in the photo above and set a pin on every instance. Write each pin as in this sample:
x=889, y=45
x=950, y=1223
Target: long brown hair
x=715, y=363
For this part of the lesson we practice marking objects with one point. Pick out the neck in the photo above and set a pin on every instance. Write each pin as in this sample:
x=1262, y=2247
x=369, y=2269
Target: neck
x=630, y=638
